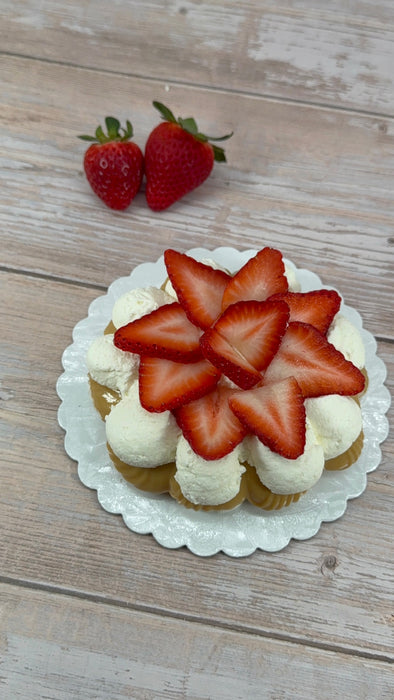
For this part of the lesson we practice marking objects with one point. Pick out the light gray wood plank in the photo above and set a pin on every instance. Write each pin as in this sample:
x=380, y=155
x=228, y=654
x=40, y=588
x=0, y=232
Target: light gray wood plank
x=334, y=590
x=59, y=647
x=335, y=53
x=315, y=183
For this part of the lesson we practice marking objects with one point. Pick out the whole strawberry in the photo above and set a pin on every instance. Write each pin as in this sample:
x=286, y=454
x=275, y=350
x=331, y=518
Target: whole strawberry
x=113, y=164
x=178, y=158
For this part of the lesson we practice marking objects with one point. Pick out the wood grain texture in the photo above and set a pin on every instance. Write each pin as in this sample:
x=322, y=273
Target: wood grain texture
x=88, y=608
x=55, y=532
x=94, y=651
x=335, y=53
x=319, y=187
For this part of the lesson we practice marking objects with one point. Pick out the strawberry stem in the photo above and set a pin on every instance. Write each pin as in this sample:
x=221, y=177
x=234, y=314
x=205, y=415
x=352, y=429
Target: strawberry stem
x=189, y=124
x=218, y=153
x=114, y=132
x=165, y=112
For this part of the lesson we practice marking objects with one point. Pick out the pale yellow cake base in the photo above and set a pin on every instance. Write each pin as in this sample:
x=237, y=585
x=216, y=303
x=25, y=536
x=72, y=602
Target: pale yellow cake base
x=162, y=479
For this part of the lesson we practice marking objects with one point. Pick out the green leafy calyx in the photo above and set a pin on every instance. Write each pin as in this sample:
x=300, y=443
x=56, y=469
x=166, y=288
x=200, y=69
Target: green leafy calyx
x=114, y=132
x=189, y=125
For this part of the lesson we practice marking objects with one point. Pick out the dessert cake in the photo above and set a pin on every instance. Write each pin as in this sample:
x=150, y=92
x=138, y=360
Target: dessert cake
x=218, y=388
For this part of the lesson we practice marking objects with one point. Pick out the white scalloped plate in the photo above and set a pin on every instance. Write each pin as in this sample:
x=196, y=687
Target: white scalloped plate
x=241, y=531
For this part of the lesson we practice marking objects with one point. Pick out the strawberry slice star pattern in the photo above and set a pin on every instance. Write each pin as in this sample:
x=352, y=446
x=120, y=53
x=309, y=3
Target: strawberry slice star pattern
x=238, y=355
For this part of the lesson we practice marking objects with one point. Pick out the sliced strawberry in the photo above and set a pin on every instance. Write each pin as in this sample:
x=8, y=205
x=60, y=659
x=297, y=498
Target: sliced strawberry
x=165, y=332
x=209, y=425
x=245, y=339
x=317, y=307
x=254, y=329
x=275, y=413
x=228, y=360
x=165, y=385
x=198, y=286
x=318, y=367
x=262, y=276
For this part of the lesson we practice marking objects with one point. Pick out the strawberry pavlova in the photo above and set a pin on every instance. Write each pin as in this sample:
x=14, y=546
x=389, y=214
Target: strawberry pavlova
x=219, y=388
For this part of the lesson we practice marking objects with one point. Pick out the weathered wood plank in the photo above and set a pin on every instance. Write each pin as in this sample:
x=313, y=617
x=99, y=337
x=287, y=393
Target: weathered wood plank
x=316, y=619
x=335, y=53
x=87, y=651
x=55, y=533
x=315, y=183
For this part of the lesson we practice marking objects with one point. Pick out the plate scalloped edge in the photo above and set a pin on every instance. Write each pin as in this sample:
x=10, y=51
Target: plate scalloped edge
x=239, y=532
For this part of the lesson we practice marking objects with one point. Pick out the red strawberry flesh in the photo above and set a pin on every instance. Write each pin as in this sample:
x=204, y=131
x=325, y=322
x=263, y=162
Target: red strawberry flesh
x=199, y=287
x=254, y=329
x=165, y=332
x=262, y=276
x=317, y=307
x=209, y=425
x=165, y=385
x=228, y=360
x=275, y=413
x=318, y=367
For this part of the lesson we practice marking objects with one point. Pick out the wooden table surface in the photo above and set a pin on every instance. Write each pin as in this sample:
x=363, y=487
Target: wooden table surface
x=90, y=609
